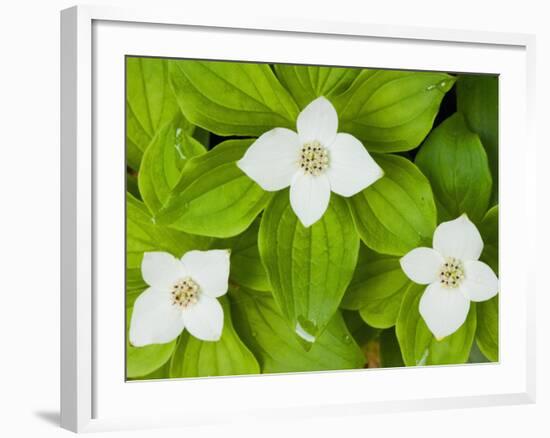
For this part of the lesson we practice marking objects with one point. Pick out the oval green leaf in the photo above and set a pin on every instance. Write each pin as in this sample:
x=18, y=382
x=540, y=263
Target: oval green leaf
x=477, y=99
x=150, y=104
x=419, y=346
x=213, y=196
x=134, y=285
x=489, y=232
x=487, y=311
x=226, y=357
x=159, y=373
x=487, y=328
x=232, y=98
x=376, y=289
x=453, y=159
x=397, y=213
x=307, y=82
x=246, y=266
x=266, y=332
x=163, y=162
x=143, y=235
x=309, y=269
x=391, y=110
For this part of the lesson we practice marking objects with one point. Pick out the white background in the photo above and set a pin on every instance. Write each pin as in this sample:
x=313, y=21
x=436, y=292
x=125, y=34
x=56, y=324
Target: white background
x=29, y=223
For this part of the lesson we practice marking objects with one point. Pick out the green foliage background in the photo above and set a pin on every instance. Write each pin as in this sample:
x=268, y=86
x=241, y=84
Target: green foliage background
x=434, y=134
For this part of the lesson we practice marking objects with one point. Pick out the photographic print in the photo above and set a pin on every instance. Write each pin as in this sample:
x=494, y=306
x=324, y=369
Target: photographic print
x=296, y=218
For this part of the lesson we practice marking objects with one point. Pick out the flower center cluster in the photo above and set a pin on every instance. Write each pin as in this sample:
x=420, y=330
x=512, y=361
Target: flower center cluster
x=451, y=273
x=313, y=158
x=185, y=292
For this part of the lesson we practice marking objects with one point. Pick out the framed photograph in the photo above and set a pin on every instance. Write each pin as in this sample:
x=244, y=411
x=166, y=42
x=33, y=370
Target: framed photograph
x=279, y=218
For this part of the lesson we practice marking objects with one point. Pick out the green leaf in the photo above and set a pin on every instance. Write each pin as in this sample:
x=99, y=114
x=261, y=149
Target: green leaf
x=476, y=356
x=141, y=361
x=376, y=289
x=268, y=335
x=477, y=99
x=246, y=266
x=163, y=162
x=309, y=269
x=228, y=356
x=487, y=311
x=453, y=159
x=134, y=285
x=213, y=196
x=232, y=98
x=391, y=110
x=488, y=229
x=159, y=373
x=306, y=82
x=419, y=346
x=142, y=235
x=487, y=328
x=150, y=104
x=397, y=213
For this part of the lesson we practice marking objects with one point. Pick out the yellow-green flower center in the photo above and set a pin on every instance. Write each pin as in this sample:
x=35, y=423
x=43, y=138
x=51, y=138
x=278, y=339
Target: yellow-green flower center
x=451, y=273
x=313, y=158
x=185, y=292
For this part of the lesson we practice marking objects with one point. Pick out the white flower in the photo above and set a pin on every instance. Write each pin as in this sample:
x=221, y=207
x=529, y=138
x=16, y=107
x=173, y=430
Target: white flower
x=453, y=273
x=313, y=162
x=181, y=294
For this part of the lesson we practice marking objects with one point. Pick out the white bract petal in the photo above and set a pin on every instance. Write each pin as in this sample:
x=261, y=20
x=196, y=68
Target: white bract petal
x=454, y=274
x=480, y=282
x=204, y=319
x=184, y=297
x=313, y=162
x=272, y=160
x=309, y=197
x=154, y=319
x=161, y=270
x=458, y=238
x=318, y=122
x=444, y=309
x=209, y=269
x=422, y=265
x=351, y=168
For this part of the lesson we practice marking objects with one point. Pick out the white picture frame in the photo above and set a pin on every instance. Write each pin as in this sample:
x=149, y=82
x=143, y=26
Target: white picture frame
x=93, y=395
